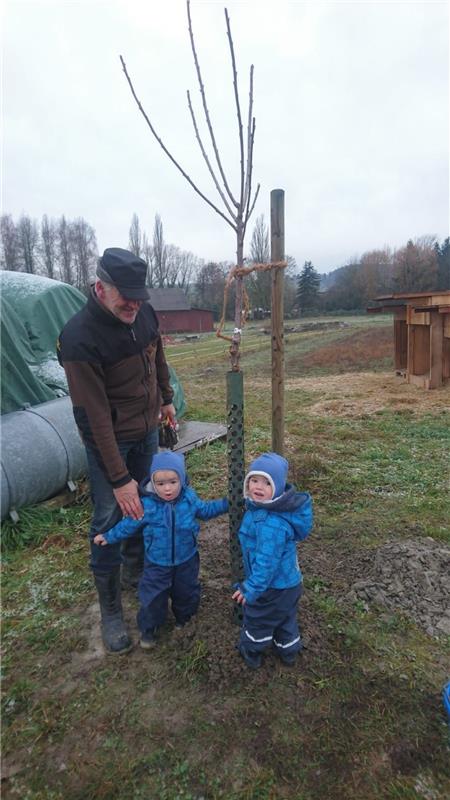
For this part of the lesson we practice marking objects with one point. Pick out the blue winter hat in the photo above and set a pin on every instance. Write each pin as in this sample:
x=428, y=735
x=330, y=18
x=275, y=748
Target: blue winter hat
x=270, y=466
x=169, y=460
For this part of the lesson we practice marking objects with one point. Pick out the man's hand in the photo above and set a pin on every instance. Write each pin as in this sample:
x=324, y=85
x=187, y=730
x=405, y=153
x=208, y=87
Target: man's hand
x=129, y=501
x=169, y=411
x=239, y=597
x=100, y=539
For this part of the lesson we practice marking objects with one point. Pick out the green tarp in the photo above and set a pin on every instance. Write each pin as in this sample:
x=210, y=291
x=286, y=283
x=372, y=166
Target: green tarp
x=34, y=309
x=20, y=383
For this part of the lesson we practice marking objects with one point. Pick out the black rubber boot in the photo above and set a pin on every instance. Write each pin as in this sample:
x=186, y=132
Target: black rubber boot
x=251, y=657
x=114, y=634
x=288, y=659
x=133, y=562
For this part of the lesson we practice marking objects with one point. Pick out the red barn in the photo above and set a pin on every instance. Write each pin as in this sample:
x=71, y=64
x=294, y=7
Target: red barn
x=175, y=314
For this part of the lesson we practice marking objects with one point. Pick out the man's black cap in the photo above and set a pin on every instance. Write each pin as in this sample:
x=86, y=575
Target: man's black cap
x=125, y=271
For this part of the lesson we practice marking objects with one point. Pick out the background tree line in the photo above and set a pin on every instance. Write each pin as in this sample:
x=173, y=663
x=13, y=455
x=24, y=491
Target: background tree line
x=422, y=265
x=66, y=250
x=61, y=249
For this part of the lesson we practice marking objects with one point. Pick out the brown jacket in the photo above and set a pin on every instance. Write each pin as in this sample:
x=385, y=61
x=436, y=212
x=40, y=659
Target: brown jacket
x=118, y=378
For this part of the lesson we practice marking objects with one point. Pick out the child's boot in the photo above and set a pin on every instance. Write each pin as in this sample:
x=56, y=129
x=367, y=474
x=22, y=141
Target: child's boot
x=288, y=658
x=251, y=657
x=148, y=639
x=178, y=628
x=181, y=624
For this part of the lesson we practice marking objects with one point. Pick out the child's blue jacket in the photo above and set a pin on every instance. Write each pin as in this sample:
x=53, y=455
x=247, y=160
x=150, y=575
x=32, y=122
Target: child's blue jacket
x=170, y=530
x=268, y=534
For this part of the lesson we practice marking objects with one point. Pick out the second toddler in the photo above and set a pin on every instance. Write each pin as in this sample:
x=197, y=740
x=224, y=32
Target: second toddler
x=276, y=517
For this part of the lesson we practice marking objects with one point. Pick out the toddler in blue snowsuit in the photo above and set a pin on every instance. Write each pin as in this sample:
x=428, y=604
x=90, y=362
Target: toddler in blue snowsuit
x=170, y=530
x=276, y=517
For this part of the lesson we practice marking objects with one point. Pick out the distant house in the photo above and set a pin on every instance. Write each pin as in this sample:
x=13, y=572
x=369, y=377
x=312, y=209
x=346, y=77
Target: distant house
x=175, y=314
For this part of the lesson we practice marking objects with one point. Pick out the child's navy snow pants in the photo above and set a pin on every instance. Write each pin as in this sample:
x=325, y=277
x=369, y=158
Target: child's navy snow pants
x=158, y=584
x=272, y=619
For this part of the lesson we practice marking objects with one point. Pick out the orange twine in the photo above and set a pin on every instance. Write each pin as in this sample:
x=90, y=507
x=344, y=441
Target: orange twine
x=240, y=272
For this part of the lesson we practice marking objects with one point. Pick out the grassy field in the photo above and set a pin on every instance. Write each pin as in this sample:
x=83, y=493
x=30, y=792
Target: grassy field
x=359, y=717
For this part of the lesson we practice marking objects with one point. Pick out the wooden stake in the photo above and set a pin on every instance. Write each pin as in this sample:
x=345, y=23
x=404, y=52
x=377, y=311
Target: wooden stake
x=277, y=254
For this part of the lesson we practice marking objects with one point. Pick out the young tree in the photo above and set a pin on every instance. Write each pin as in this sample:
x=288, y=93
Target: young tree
x=238, y=209
x=308, y=286
x=10, y=244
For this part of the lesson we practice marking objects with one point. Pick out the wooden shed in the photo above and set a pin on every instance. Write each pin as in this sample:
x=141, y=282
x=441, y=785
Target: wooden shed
x=421, y=335
x=175, y=314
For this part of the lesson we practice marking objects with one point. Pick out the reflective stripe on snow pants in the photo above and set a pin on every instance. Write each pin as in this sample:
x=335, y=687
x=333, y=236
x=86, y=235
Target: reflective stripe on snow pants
x=273, y=618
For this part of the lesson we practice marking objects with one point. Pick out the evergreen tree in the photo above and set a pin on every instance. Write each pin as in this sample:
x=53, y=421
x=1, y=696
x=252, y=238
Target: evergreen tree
x=308, y=284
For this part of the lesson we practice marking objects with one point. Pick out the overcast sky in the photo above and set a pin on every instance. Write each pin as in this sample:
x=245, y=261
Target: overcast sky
x=351, y=105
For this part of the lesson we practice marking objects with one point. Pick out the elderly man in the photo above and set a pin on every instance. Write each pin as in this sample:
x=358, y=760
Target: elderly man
x=118, y=380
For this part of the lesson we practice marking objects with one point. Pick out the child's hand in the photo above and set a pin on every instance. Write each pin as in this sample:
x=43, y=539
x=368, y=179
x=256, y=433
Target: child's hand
x=100, y=539
x=238, y=596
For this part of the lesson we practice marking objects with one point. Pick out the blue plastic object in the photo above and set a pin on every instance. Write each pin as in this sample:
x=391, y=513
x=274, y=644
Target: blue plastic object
x=446, y=699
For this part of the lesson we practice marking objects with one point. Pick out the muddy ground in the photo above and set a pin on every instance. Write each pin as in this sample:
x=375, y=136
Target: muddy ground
x=411, y=577
x=200, y=667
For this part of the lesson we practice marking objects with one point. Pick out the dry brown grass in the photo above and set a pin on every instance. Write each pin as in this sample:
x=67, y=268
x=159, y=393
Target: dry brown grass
x=355, y=394
x=364, y=347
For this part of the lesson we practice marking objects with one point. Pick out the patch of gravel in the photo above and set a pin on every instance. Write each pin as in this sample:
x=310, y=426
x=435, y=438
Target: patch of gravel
x=413, y=577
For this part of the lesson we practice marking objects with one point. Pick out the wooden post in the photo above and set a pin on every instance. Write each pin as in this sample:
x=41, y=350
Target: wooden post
x=277, y=254
x=436, y=349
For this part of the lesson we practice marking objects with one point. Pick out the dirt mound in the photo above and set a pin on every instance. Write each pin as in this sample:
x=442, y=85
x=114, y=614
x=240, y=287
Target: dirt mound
x=413, y=577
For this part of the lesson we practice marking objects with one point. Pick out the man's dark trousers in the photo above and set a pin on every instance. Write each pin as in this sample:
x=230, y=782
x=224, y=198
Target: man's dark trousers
x=106, y=513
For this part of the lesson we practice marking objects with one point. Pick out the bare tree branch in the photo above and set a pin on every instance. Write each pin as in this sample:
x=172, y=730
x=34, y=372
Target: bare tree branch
x=185, y=175
x=205, y=107
x=205, y=156
x=238, y=108
x=248, y=175
x=253, y=205
x=245, y=206
x=249, y=210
